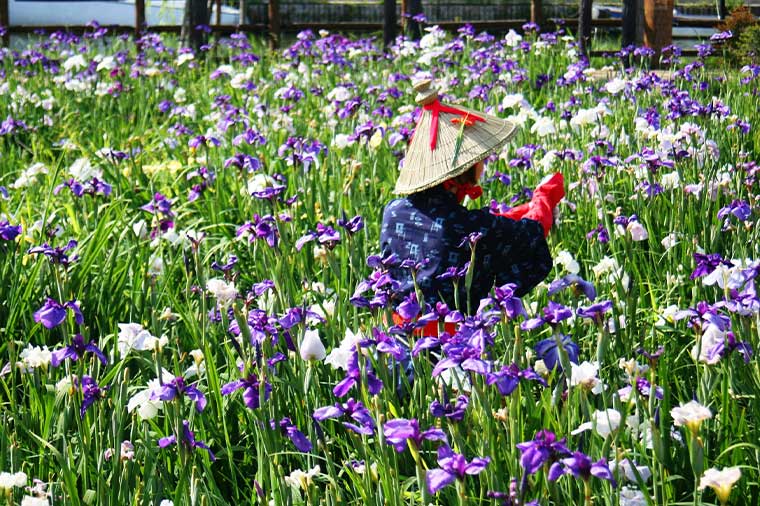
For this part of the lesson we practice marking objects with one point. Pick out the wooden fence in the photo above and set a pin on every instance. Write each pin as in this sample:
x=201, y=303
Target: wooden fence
x=275, y=25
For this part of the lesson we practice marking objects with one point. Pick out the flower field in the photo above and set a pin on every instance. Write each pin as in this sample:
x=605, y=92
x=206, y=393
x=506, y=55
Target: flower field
x=194, y=306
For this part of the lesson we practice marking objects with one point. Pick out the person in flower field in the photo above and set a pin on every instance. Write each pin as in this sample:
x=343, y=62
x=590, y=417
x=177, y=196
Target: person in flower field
x=429, y=226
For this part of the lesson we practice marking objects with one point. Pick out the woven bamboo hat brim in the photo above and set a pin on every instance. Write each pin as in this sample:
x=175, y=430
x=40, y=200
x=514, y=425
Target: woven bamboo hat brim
x=425, y=167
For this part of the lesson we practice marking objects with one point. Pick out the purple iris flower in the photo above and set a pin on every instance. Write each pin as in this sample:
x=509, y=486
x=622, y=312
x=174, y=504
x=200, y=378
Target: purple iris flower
x=188, y=441
x=644, y=387
x=202, y=140
x=724, y=348
x=504, y=297
x=600, y=232
x=721, y=36
x=93, y=187
x=76, y=350
x=269, y=193
x=231, y=262
x=91, y=392
x=325, y=234
x=553, y=314
x=52, y=313
x=581, y=466
x=250, y=136
x=397, y=432
x=303, y=240
x=453, y=466
x=739, y=208
x=353, y=377
x=745, y=302
x=471, y=239
x=507, y=379
x=243, y=161
x=9, y=232
x=263, y=286
x=262, y=227
x=547, y=351
x=409, y=307
x=205, y=179
x=161, y=207
x=653, y=356
x=544, y=448
x=463, y=355
x=300, y=441
x=387, y=344
x=355, y=410
x=453, y=410
x=454, y=272
x=178, y=387
x=595, y=311
x=56, y=255
x=353, y=225
x=579, y=284
x=251, y=386
x=706, y=264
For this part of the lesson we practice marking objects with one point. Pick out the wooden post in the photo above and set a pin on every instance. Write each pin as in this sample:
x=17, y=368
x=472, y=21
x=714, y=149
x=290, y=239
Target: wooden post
x=414, y=7
x=389, y=22
x=722, y=10
x=139, y=17
x=241, y=12
x=537, y=12
x=274, y=24
x=658, y=26
x=196, y=13
x=218, y=20
x=5, y=21
x=404, y=16
x=584, y=26
x=629, y=27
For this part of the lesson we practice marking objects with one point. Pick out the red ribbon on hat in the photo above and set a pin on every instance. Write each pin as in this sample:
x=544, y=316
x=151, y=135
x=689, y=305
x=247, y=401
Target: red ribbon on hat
x=436, y=108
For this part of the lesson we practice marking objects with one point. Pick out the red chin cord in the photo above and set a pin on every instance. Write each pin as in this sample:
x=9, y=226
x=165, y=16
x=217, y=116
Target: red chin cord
x=473, y=191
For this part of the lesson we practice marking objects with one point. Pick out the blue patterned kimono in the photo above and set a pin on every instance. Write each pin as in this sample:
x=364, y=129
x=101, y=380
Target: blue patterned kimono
x=431, y=225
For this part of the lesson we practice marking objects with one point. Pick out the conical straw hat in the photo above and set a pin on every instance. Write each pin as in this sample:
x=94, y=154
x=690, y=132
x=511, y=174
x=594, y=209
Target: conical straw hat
x=457, y=147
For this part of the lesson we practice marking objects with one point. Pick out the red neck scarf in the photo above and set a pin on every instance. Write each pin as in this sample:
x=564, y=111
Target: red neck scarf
x=463, y=190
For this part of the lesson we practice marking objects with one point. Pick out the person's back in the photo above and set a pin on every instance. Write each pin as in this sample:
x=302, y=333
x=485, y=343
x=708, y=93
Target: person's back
x=432, y=227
